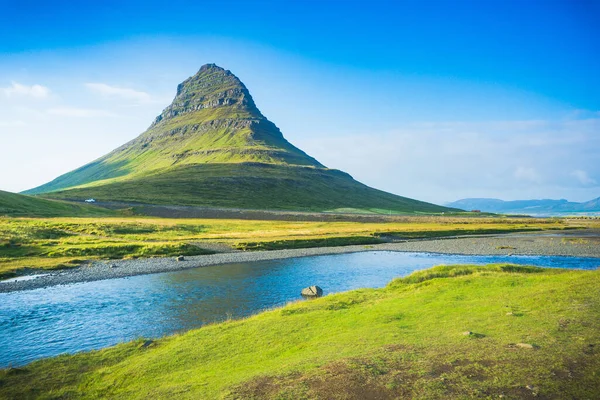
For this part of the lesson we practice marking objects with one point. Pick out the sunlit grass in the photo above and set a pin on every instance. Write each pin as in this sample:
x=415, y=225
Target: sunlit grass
x=405, y=340
x=48, y=243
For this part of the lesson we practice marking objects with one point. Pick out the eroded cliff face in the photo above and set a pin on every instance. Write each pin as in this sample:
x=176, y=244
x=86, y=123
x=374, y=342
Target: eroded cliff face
x=211, y=87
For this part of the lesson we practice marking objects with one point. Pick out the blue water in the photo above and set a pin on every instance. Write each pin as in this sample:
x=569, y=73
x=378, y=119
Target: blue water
x=66, y=319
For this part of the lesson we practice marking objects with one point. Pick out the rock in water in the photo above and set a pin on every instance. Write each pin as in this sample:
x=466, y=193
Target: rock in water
x=312, y=291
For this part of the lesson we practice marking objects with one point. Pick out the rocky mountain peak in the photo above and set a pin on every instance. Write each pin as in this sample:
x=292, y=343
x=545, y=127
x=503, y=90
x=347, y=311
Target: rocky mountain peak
x=211, y=87
x=212, y=66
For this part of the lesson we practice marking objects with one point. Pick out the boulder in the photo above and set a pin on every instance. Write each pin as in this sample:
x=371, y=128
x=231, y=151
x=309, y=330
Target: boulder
x=312, y=291
x=525, y=345
x=473, y=335
x=180, y=258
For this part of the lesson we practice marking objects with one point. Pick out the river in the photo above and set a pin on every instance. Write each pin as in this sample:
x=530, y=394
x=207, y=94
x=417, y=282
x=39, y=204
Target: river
x=83, y=316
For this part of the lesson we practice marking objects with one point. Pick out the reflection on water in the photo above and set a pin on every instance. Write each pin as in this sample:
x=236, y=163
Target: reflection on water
x=84, y=316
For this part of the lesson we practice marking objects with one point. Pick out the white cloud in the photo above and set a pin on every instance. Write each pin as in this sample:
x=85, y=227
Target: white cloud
x=115, y=91
x=446, y=161
x=583, y=177
x=79, y=112
x=17, y=89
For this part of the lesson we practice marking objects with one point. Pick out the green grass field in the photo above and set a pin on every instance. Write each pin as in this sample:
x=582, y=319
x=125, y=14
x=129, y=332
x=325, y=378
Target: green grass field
x=534, y=334
x=52, y=243
x=18, y=205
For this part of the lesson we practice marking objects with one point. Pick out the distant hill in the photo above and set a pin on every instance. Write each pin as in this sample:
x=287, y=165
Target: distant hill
x=542, y=207
x=213, y=147
x=18, y=205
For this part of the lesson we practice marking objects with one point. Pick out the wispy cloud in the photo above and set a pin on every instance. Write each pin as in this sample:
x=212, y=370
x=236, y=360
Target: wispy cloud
x=114, y=91
x=583, y=177
x=12, y=124
x=504, y=159
x=17, y=89
x=79, y=112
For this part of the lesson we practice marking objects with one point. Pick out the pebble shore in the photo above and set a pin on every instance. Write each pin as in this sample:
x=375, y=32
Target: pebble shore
x=581, y=244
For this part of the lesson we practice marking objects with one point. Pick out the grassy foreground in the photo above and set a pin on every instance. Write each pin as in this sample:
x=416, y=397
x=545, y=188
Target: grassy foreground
x=50, y=243
x=534, y=334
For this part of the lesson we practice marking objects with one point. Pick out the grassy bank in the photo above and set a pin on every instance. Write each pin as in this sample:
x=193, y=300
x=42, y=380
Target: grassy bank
x=50, y=243
x=534, y=334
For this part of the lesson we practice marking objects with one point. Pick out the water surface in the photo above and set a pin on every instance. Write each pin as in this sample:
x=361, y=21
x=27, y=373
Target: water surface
x=83, y=316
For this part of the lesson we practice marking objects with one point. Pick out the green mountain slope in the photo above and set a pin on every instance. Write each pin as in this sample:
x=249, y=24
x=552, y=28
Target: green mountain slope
x=18, y=205
x=213, y=147
x=252, y=186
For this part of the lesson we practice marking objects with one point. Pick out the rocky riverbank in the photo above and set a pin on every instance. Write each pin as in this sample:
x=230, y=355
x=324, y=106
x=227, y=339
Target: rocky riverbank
x=579, y=244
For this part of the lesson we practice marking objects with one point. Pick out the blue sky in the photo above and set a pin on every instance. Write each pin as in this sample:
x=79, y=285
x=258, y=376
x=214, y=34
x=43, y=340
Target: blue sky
x=435, y=100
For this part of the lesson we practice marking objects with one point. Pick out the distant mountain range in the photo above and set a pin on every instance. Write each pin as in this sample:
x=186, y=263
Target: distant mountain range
x=213, y=147
x=536, y=207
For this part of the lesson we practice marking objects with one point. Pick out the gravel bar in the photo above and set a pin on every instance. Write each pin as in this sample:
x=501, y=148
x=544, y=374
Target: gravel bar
x=585, y=244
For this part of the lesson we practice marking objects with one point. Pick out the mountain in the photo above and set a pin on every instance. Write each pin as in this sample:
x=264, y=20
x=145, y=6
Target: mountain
x=213, y=147
x=17, y=205
x=592, y=205
x=542, y=207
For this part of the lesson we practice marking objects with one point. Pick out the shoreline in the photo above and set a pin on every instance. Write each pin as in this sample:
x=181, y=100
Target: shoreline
x=512, y=244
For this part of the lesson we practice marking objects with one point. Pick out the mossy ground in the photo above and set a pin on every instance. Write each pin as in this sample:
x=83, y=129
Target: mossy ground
x=50, y=243
x=402, y=341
